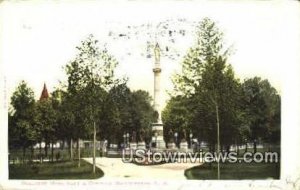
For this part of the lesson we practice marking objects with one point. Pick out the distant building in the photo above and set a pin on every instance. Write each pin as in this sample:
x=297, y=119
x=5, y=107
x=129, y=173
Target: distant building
x=45, y=94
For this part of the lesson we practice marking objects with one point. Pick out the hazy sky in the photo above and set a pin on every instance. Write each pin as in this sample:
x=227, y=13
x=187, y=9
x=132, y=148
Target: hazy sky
x=38, y=39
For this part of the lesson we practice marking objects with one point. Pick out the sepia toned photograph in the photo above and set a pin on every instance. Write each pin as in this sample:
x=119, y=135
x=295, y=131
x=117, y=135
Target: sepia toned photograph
x=141, y=90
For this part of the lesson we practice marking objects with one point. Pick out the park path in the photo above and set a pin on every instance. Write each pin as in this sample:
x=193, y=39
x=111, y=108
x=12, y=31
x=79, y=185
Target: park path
x=115, y=168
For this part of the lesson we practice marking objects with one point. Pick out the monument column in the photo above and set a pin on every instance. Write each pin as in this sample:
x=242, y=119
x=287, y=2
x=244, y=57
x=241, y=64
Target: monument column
x=157, y=127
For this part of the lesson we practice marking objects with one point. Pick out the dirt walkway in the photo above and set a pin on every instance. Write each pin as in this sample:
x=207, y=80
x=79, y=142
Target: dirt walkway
x=115, y=168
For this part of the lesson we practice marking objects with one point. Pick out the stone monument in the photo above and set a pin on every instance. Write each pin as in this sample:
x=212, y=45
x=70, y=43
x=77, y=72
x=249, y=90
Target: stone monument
x=157, y=127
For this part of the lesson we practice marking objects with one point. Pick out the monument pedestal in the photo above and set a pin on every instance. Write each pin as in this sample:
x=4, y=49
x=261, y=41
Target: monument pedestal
x=158, y=138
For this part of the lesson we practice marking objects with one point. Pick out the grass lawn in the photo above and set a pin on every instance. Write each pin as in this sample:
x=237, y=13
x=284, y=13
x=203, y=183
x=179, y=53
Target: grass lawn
x=235, y=171
x=55, y=170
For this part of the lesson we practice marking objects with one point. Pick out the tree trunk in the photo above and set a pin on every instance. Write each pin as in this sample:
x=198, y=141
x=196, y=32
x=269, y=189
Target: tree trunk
x=24, y=152
x=52, y=151
x=94, y=149
x=218, y=137
x=228, y=148
x=78, y=147
x=41, y=156
x=213, y=148
x=254, y=147
x=32, y=152
x=71, y=149
x=46, y=149
x=62, y=145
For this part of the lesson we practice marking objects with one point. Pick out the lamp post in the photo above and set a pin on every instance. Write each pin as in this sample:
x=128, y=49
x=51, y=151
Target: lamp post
x=124, y=136
x=191, y=136
x=254, y=145
x=246, y=148
x=127, y=135
x=175, y=135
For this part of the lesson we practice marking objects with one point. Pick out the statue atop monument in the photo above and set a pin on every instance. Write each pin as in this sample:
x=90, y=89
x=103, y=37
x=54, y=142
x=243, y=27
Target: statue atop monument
x=157, y=53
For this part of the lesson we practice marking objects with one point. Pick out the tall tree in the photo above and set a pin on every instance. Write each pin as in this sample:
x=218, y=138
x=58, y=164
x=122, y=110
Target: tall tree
x=176, y=116
x=45, y=122
x=127, y=111
x=208, y=48
x=262, y=108
x=209, y=81
x=58, y=133
x=67, y=120
x=22, y=132
x=117, y=117
x=89, y=74
x=143, y=114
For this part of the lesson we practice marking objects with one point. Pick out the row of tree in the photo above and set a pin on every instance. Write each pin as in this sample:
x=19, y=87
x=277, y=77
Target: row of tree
x=93, y=104
x=213, y=104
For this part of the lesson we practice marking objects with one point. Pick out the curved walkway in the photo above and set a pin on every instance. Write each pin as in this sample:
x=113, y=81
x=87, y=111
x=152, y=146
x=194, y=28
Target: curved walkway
x=115, y=168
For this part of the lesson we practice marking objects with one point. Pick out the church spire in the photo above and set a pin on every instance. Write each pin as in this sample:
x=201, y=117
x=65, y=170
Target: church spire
x=44, y=95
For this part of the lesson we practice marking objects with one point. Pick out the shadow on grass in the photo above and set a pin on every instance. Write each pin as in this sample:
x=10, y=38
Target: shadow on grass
x=55, y=170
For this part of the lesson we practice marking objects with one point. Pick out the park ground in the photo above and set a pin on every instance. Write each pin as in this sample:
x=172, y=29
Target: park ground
x=114, y=168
